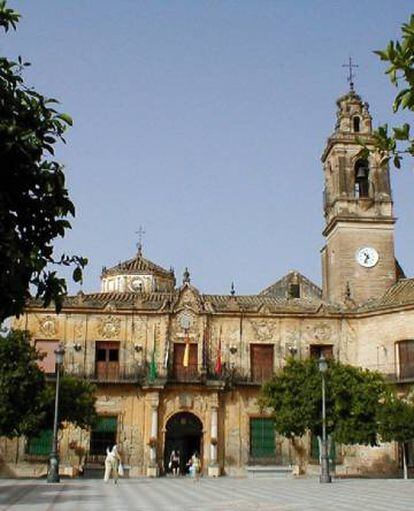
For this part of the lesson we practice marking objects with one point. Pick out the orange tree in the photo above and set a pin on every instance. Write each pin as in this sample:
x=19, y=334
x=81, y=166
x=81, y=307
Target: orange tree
x=34, y=202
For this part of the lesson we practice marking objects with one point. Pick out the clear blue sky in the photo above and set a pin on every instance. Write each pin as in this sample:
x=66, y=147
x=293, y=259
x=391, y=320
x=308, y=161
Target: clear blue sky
x=204, y=121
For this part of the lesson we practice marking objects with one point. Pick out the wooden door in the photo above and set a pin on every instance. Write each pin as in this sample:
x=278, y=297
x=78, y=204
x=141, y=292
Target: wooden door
x=406, y=358
x=107, y=360
x=261, y=362
x=180, y=372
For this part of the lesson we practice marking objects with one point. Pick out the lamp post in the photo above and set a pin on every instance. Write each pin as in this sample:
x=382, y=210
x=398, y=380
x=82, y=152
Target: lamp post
x=53, y=469
x=324, y=477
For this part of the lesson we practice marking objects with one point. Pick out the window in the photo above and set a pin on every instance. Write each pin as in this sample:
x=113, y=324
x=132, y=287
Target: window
x=361, y=179
x=181, y=372
x=356, y=124
x=294, y=291
x=107, y=360
x=261, y=362
x=406, y=359
x=316, y=350
x=103, y=435
x=40, y=445
x=262, y=438
x=47, y=348
x=409, y=446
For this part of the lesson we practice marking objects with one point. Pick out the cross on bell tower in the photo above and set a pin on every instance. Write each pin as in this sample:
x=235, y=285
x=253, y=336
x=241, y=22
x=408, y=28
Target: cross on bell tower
x=351, y=74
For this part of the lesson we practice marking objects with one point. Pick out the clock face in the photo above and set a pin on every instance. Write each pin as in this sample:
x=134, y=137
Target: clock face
x=367, y=257
x=136, y=284
x=186, y=320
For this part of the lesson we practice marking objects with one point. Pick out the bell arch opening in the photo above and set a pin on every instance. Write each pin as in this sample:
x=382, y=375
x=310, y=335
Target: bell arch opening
x=183, y=433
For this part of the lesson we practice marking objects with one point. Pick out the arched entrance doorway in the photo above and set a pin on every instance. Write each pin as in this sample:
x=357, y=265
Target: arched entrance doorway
x=183, y=433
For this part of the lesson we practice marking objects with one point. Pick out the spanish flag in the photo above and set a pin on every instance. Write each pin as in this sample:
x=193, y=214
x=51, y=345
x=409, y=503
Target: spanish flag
x=219, y=365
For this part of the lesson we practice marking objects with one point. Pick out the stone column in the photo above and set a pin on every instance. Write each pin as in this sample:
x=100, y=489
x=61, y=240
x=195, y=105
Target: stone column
x=213, y=468
x=153, y=469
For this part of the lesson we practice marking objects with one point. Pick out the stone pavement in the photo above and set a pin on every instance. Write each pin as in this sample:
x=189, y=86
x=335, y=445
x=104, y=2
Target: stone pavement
x=182, y=494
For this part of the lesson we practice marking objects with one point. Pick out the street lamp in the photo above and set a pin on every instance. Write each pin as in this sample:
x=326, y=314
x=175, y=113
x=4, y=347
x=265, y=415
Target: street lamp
x=324, y=477
x=53, y=469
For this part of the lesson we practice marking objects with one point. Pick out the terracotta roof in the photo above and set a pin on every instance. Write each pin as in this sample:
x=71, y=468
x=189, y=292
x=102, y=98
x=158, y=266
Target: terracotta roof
x=258, y=303
x=400, y=293
x=137, y=265
x=214, y=303
x=280, y=288
x=125, y=300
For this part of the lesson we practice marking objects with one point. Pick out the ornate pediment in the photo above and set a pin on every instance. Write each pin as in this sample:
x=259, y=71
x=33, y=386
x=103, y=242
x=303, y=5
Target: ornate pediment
x=109, y=327
x=48, y=326
x=188, y=298
x=265, y=329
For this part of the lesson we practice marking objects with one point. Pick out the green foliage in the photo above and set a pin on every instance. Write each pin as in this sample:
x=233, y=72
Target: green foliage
x=76, y=403
x=21, y=385
x=400, y=56
x=34, y=202
x=396, y=420
x=27, y=401
x=353, y=399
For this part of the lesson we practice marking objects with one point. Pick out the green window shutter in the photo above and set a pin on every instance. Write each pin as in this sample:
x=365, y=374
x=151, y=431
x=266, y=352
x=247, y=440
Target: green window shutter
x=106, y=425
x=40, y=445
x=262, y=438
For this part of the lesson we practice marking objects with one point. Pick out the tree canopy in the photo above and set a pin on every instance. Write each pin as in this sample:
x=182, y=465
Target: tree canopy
x=76, y=403
x=27, y=399
x=400, y=56
x=353, y=398
x=34, y=202
x=21, y=385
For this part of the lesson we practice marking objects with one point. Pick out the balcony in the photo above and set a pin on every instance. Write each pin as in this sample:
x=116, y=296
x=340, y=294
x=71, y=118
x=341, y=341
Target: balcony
x=185, y=374
x=193, y=373
x=130, y=373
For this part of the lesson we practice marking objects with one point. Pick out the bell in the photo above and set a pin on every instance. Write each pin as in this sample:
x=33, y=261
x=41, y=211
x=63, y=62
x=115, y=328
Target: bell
x=362, y=173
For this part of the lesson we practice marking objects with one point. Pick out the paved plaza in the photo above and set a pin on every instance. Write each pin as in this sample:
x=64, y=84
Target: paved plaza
x=221, y=494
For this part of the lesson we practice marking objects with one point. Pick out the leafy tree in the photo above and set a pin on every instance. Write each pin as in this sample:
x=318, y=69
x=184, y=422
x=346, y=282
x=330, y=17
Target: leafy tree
x=34, y=202
x=396, y=423
x=353, y=399
x=76, y=403
x=400, y=56
x=27, y=400
x=22, y=384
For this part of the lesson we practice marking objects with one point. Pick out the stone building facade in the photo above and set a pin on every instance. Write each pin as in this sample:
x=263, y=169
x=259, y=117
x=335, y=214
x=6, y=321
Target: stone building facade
x=178, y=369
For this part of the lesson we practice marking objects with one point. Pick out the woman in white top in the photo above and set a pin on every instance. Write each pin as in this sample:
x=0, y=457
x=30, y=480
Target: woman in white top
x=112, y=461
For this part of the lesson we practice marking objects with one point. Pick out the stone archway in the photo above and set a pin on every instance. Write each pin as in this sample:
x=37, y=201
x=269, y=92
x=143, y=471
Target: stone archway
x=183, y=432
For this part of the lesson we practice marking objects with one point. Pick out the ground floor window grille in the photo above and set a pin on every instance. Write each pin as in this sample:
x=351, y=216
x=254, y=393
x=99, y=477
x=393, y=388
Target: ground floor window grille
x=103, y=435
x=40, y=445
x=262, y=438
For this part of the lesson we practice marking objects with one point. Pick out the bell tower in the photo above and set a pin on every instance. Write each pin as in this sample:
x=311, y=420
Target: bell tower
x=358, y=259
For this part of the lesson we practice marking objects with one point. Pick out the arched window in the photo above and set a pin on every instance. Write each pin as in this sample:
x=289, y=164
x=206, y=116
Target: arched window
x=361, y=178
x=356, y=121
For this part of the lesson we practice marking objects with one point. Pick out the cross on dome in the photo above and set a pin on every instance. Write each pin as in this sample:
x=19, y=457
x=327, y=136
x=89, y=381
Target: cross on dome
x=140, y=233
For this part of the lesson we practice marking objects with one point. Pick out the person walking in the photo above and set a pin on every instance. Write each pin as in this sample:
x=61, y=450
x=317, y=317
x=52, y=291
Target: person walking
x=175, y=462
x=195, y=466
x=112, y=461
